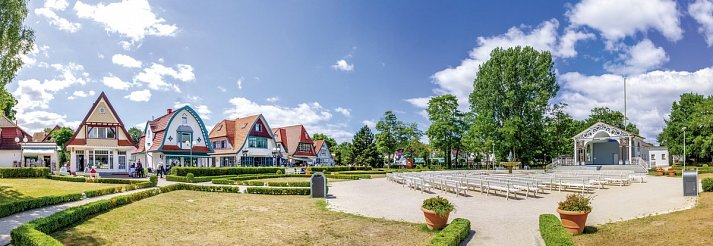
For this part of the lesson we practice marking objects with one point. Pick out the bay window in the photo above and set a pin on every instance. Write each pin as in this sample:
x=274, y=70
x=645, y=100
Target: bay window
x=102, y=132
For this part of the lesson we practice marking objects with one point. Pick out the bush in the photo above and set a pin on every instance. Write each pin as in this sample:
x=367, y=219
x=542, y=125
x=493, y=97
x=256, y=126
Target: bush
x=453, y=234
x=439, y=205
x=289, y=184
x=218, y=171
x=577, y=203
x=24, y=172
x=253, y=183
x=67, y=178
x=278, y=191
x=705, y=165
x=185, y=179
x=227, y=181
x=190, y=177
x=707, y=184
x=337, y=169
x=153, y=179
x=362, y=172
x=351, y=177
x=552, y=231
x=280, y=171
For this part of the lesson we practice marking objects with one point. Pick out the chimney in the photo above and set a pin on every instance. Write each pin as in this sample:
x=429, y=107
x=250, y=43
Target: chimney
x=168, y=111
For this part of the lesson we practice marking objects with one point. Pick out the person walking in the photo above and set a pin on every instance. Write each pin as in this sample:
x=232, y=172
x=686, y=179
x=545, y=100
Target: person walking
x=160, y=171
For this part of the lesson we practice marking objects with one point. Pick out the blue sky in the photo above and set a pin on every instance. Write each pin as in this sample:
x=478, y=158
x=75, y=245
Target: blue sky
x=336, y=65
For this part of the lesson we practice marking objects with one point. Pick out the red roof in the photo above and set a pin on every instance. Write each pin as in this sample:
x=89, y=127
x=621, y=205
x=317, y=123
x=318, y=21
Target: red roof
x=291, y=137
x=318, y=145
x=158, y=127
x=75, y=141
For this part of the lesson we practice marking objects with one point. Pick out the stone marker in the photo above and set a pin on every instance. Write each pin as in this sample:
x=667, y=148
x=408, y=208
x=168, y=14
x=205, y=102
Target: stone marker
x=318, y=185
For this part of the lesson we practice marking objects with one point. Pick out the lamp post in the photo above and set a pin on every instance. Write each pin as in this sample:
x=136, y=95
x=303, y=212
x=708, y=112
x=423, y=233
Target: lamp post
x=684, y=147
x=190, y=143
x=245, y=157
x=17, y=141
x=274, y=155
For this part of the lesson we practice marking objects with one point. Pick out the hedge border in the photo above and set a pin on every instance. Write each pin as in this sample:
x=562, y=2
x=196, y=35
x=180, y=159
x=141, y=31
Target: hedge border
x=185, y=179
x=36, y=232
x=457, y=231
x=220, y=171
x=707, y=184
x=278, y=191
x=24, y=172
x=10, y=208
x=289, y=184
x=552, y=231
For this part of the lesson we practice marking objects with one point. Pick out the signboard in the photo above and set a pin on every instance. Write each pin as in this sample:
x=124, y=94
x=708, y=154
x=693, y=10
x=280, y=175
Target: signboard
x=318, y=185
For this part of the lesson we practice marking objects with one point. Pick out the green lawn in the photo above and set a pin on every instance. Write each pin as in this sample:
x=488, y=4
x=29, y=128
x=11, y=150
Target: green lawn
x=18, y=189
x=203, y=218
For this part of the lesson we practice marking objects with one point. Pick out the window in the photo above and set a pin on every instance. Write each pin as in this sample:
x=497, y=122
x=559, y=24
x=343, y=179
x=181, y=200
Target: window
x=184, y=120
x=184, y=139
x=255, y=142
x=663, y=156
x=102, y=110
x=223, y=144
x=303, y=147
x=220, y=127
x=653, y=157
x=102, y=132
x=214, y=145
x=101, y=159
x=258, y=128
x=122, y=160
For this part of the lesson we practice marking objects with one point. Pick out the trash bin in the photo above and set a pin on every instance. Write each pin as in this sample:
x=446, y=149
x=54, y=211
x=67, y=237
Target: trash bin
x=690, y=182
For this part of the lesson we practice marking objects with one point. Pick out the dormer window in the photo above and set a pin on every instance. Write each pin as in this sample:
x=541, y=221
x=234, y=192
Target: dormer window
x=258, y=128
x=184, y=120
x=220, y=127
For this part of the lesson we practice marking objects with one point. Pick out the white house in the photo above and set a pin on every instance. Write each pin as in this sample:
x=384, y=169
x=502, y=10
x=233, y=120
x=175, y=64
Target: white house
x=324, y=156
x=246, y=141
x=658, y=156
x=11, y=138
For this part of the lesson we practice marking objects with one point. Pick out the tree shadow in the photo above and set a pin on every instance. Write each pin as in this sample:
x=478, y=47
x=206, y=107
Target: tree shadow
x=470, y=236
x=590, y=230
x=8, y=194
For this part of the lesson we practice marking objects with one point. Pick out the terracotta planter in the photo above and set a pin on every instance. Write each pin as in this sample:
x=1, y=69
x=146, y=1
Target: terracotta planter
x=671, y=172
x=573, y=221
x=659, y=172
x=433, y=220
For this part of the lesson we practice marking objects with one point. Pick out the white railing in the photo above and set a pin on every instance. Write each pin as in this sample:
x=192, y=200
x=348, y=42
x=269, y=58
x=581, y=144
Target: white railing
x=560, y=161
x=641, y=162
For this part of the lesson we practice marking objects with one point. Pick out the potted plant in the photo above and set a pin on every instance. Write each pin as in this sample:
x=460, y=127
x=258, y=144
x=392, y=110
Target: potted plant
x=659, y=171
x=574, y=211
x=436, y=210
x=671, y=172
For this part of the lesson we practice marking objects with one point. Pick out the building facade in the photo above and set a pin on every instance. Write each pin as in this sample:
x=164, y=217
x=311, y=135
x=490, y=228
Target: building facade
x=177, y=138
x=297, y=146
x=246, y=141
x=100, y=141
x=604, y=144
x=324, y=156
x=11, y=138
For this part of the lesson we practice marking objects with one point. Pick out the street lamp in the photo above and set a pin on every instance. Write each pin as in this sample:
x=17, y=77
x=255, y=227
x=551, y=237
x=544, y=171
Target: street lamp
x=245, y=157
x=274, y=155
x=684, y=147
x=190, y=143
x=17, y=141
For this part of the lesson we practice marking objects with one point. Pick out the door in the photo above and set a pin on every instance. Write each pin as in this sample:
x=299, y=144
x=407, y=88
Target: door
x=80, y=163
x=48, y=161
x=614, y=158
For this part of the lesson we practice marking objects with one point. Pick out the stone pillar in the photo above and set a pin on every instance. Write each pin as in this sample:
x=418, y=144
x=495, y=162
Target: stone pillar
x=575, y=152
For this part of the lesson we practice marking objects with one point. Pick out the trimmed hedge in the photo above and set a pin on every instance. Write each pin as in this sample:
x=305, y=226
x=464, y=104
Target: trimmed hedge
x=96, y=180
x=68, y=178
x=278, y=191
x=352, y=177
x=253, y=183
x=362, y=172
x=289, y=184
x=552, y=231
x=707, y=184
x=24, y=172
x=27, y=204
x=186, y=179
x=219, y=171
x=36, y=232
x=453, y=234
x=337, y=169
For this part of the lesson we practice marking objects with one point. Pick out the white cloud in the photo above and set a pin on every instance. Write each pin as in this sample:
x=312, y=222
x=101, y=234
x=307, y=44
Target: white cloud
x=126, y=61
x=240, y=83
x=116, y=83
x=48, y=11
x=272, y=99
x=369, y=123
x=702, y=12
x=35, y=121
x=194, y=102
x=312, y=115
x=133, y=19
x=639, y=58
x=81, y=94
x=343, y=65
x=30, y=59
x=344, y=111
x=154, y=75
x=222, y=89
x=34, y=94
x=617, y=19
x=139, y=96
x=649, y=95
x=458, y=81
x=569, y=40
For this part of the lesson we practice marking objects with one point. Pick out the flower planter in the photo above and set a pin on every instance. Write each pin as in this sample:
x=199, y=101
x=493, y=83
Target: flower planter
x=433, y=220
x=573, y=221
x=671, y=172
x=659, y=172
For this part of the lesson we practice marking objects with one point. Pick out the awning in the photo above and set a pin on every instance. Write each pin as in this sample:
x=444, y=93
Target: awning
x=307, y=159
x=38, y=152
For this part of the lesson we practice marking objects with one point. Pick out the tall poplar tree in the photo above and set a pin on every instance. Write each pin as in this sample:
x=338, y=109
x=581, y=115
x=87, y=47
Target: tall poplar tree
x=447, y=125
x=364, y=151
x=15, y=40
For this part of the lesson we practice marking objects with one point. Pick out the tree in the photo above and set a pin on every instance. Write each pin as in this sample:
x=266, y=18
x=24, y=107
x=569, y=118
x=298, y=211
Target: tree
x=364, y=149
x=510, y=98
x=699, y=131
x=135, y=134
x=611, y=117
x=15, y=40
x=386, y=138
x=331, y=143
x=446, y=129
x=343, y=153
x=61, y=136
x=680, y=116
x=559, y=129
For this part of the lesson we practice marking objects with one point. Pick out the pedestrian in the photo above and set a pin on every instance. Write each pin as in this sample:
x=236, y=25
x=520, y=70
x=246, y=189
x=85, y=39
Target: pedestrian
x=160, y=171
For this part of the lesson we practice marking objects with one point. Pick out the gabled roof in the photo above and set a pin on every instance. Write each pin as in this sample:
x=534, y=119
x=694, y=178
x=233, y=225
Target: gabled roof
x=9, y=131
x=75, y=141
x=318, y=145
x=48, y=137
x=291, y=136
x=159, y=125
x=236, y=131
x=609, y=129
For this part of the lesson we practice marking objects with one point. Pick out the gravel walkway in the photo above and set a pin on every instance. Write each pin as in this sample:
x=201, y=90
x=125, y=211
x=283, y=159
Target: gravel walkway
x=497, y=221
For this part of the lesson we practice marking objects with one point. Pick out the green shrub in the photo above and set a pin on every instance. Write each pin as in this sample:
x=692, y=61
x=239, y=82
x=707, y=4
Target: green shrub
x=153, y=179
x=439, y=205
x=577, y=203
x=68, y=178
x=351, y=177
x=362, y=172
x=707, y=184
x=337, y=169
x=280, y=171
x=24, y=172
x=190, y=177
x=289, y=184
x=227, y=181
x=278, y=191
x=453, y=234
x=705, y=165
x=552, y=231
x=218, y=171
x=253, y=183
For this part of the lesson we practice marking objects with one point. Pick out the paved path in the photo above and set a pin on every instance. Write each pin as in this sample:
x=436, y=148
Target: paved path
x=497, y=221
